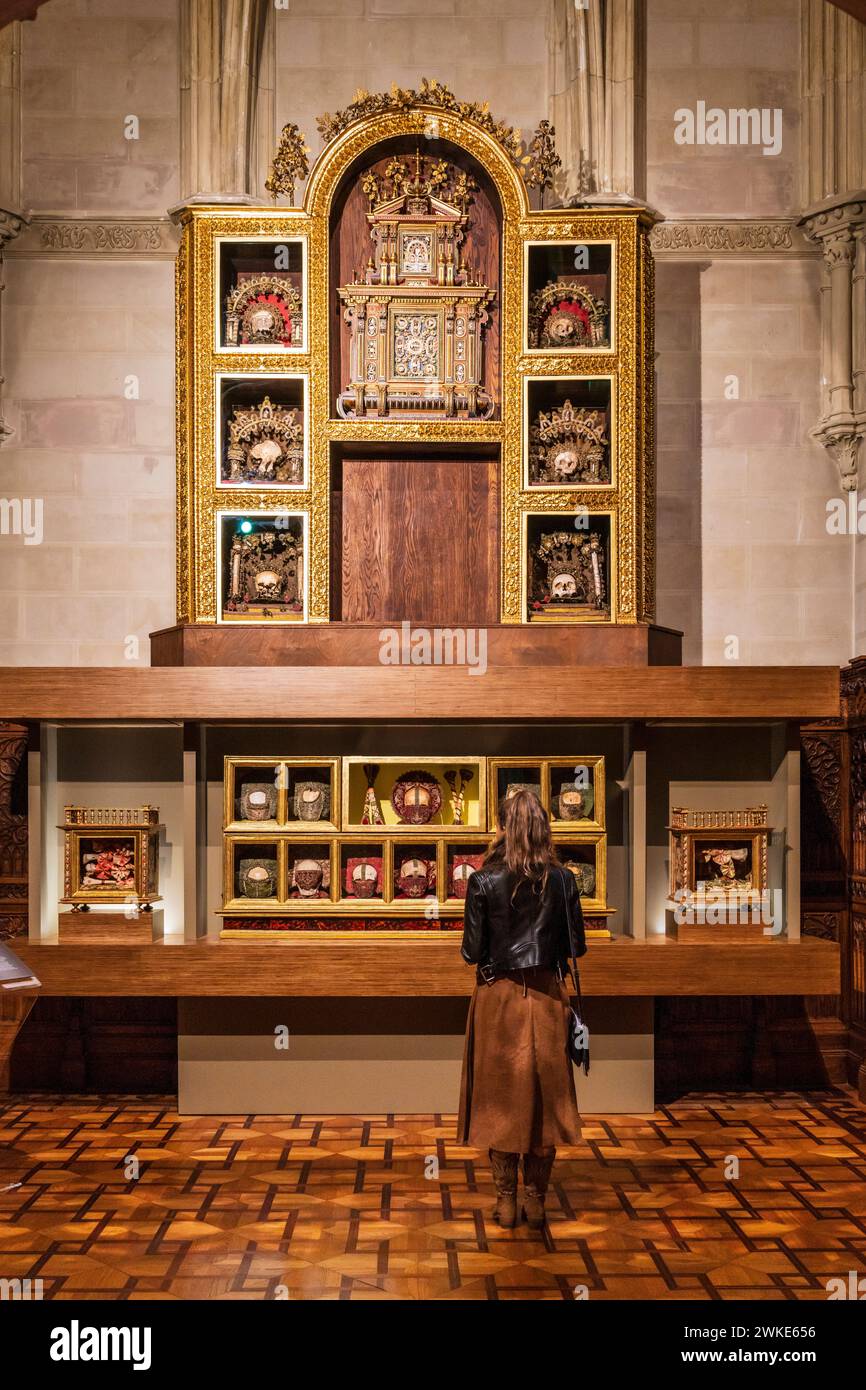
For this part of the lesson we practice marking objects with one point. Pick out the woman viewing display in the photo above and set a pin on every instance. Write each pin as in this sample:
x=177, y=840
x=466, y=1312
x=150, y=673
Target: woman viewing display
x=523, y=921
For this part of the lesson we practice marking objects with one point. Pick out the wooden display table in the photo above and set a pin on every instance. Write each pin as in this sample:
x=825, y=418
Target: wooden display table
x=324, y=966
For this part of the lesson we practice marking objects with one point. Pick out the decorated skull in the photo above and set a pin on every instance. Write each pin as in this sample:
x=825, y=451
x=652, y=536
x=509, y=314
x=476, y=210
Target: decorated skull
x=309, y=876
x=563, y=586
x=364, y=880
x=312, y=800
x=258, y=877
x=262, y=323
x=584, y=876
x=258, y=801
x=572, y=803
x=514, y=787
x=414, y=877
x=267, y=584
x=564, y=328
x=265, y=456
x=565, y=462
x=460, y=878
x=416, y=797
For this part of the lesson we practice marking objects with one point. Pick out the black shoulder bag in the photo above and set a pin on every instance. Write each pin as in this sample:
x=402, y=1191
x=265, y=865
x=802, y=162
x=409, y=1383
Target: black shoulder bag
x=578, y=1033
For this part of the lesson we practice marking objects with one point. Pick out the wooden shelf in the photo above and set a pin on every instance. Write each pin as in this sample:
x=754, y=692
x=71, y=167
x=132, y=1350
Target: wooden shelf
x=432, y=694
x=360, y=644
x=377, y=968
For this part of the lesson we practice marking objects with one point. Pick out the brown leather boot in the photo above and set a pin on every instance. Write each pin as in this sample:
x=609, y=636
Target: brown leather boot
x=536, y=1176
x=505, y=1179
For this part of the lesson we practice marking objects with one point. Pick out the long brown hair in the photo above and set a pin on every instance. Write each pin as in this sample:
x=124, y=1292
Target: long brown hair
x=524, y=843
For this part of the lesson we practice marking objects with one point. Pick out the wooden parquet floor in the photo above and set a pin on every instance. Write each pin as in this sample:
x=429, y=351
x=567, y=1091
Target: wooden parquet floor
x=388, y=1207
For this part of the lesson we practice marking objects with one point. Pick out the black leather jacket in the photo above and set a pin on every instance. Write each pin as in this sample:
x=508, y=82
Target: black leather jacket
x=532, y=930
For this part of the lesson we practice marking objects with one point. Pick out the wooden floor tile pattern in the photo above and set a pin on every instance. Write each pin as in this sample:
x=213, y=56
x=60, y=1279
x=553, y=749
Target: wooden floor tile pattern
x=351, y=1207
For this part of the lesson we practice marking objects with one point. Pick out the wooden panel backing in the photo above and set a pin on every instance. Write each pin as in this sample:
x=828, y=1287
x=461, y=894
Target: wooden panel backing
x=420, y=541
x=381, y=968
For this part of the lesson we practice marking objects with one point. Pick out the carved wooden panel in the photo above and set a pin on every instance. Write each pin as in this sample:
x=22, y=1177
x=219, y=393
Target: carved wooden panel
x=13, y=835
x=821, y=811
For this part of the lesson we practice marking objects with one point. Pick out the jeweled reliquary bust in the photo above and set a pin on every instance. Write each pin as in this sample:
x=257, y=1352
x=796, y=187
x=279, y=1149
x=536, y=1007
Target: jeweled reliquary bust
x=265, y=572
x=565, y=314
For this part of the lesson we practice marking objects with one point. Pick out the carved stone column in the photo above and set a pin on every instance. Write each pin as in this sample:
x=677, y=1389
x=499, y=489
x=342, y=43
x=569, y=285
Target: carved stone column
x=832, y=97
x=838, y=226
x=598, y=105
x=221, y=42
x=833, y=189
x=11, y=223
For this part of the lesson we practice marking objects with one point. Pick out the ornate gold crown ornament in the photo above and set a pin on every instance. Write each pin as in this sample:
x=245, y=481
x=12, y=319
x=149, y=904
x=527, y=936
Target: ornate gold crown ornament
x=430, y=93
x=569, y=445
x=264, y=309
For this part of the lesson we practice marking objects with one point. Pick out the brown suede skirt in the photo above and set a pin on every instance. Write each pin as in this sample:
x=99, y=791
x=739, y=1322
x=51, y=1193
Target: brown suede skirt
x=517, y=1092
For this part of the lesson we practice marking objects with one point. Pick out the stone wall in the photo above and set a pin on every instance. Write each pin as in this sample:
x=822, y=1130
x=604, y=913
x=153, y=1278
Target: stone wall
x=89, y=336
x=326, y=49
x=746, y=566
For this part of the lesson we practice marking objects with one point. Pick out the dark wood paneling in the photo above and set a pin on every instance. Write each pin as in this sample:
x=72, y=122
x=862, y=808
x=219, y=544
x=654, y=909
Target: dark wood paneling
x=430, y=693
x=385, y=967
x=420, y=541
x=15, y=1005
x=103, y=1044
x=752, y=1041
x=358, y=644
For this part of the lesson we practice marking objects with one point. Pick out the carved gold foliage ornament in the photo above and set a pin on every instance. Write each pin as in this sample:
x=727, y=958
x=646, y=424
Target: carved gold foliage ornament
x=290, y=163
x=540, y=163
x=430, y=93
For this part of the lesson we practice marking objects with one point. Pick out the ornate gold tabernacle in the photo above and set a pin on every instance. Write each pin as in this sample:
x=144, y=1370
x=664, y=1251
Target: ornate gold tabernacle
x=418, y=317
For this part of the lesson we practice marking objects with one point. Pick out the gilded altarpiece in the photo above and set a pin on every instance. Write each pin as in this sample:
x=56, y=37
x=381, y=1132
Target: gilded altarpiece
x=571, y=301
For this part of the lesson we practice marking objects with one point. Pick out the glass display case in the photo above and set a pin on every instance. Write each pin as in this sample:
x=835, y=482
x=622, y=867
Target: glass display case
x=262, y=828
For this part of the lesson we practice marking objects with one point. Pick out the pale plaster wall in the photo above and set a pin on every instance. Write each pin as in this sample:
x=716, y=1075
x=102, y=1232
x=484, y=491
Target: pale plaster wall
x=743, y=54
x=742, y=492
x=103, y=464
